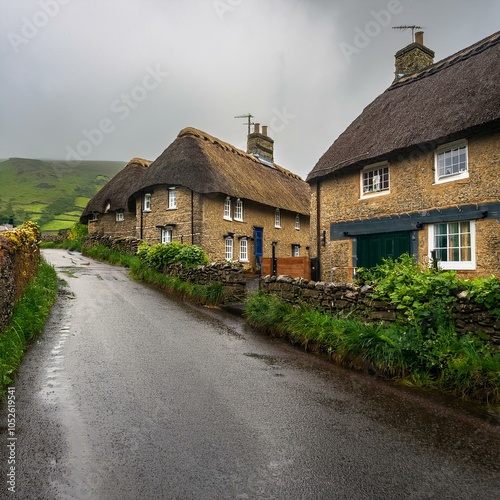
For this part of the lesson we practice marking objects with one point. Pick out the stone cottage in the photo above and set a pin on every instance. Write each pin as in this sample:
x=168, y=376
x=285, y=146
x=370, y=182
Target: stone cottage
x=236, y=205
x=417, y=171
x=112, y=211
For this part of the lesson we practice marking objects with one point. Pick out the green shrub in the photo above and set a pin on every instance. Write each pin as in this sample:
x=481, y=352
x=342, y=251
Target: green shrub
x=160, y=256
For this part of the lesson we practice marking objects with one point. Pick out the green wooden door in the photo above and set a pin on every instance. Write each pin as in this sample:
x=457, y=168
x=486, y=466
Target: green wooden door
x=372, y=248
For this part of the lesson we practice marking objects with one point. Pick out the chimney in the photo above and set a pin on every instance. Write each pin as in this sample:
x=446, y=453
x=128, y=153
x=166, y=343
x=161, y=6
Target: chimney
x=260, y=145
x=413, y=57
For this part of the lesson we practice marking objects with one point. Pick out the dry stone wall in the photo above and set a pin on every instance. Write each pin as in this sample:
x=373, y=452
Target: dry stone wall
x=348, y=298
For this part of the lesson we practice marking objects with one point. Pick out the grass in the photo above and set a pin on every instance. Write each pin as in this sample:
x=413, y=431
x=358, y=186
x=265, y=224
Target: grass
x=463, y=365
x=27, y=320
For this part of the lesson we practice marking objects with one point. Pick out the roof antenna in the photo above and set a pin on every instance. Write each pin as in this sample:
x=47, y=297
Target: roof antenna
x=249, y=117
x=411, y=27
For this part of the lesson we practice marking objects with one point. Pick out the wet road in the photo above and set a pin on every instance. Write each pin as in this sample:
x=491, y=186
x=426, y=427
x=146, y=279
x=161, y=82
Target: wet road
x=131, y=395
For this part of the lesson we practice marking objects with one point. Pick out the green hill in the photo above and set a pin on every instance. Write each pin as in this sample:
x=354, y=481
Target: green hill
x=50, y=192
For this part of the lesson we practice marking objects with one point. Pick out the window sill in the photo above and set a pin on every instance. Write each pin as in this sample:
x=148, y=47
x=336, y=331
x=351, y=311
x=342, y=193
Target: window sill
x=451, y=178
x=227, y=218
x=238, y=220
x=172, y=208
x=365, y=196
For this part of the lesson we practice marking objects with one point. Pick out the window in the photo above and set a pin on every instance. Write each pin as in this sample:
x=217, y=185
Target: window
x=454, y=244
x=94, y=217
x=277, y=218
x=451, y=162
x=295, y=250
x=375, y=180
x=227, y=208
x=172, y=198
x=244, y=250
x=229, y=248
x=166, y=235
x=147, y=203
x=297, y=221
x=120, y=216
x=238, y=210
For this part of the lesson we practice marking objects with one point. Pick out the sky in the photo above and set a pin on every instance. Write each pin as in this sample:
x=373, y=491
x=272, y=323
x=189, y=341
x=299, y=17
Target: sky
x=118, y=79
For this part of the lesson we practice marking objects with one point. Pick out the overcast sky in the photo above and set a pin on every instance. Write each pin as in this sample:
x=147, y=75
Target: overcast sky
x=115, y=79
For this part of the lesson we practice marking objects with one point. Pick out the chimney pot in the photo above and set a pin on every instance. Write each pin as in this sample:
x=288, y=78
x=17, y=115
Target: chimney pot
x=264, y=130
x=419, y=37
x=256, y=128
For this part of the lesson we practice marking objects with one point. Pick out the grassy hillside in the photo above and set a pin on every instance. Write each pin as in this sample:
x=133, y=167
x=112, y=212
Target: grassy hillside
x=50, y=192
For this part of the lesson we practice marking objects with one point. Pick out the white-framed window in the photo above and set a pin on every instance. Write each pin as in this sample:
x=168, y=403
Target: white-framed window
x=277, y=218
x=229, y=248
x=375, y=180
x=166, y=235
x=227, y=208
x=244, y=250
x=295, y=250
x=172, y=198
x=454, y=244
x=120, y=216
x=94, y=217
x=451, y=162
x=238, y=210
x=297, y=222
x=147, y=202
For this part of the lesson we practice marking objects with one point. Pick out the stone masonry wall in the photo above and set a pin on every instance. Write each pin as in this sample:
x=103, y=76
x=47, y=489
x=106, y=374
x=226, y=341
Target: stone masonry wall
x=126, y=245
x=19, y=259
x=342, y=299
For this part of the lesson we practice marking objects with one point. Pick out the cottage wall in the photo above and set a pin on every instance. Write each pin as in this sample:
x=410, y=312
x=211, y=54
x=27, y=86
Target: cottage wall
x=107, y=224
x=412, y=188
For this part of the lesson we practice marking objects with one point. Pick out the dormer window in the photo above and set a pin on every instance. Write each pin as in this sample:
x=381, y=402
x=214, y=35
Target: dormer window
x=120, y=217
x=375, y=180
x=451, y=162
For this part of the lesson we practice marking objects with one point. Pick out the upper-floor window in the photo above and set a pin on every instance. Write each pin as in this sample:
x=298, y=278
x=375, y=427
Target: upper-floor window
x=120, y=216
x=244, y=250
x=238, y=210
x=229, y=248
x=172, y=198
x=277, y=218
x=295, y=250
x=453, y=244
x=451, y=162
x=94, y=217
x=147, y=202
x=166, y=235
x=297, y=221
x=375, y=180
x=227, y=208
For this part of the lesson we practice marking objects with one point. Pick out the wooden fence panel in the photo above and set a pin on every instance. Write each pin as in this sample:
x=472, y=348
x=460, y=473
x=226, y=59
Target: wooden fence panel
x=296, y=267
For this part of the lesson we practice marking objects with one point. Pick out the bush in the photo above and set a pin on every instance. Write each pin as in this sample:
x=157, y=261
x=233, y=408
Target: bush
x=160, y=256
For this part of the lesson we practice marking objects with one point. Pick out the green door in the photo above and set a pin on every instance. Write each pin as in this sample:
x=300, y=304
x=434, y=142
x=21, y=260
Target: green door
x=372, y=248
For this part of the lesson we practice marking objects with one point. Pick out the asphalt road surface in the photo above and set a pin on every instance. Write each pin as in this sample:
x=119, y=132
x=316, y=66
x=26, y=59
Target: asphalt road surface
x=129, y=394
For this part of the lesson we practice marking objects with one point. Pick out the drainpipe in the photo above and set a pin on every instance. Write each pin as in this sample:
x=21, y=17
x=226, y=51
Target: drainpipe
x=318, y=227
x=192, y=217
x=141, y=219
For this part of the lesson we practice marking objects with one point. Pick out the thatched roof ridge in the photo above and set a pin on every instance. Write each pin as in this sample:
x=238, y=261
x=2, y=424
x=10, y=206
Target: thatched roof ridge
x=206, y=164
x=119, y=189
x=446, y=101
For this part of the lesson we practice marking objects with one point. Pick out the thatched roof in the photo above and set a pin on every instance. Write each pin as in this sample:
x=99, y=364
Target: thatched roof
x=443, y=102
x=118, y=190
x=205, y=164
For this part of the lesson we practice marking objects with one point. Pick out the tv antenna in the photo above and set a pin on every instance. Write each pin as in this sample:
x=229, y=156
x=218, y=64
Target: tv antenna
x=249, y=117
x=411, y=27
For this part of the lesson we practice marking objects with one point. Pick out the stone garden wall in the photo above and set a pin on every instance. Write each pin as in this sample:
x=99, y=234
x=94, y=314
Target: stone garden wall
x=349, y=298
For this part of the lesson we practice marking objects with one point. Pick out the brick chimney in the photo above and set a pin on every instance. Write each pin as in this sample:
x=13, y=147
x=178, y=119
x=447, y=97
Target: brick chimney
x=413, y=57
x=260, y=144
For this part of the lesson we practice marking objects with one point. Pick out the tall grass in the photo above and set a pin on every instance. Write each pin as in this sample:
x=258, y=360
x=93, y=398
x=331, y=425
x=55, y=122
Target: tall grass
x=27, y=320
x=463, y=365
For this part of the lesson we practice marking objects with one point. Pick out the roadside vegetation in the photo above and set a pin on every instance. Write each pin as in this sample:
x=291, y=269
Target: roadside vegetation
x=27, y=320
x=421, y=349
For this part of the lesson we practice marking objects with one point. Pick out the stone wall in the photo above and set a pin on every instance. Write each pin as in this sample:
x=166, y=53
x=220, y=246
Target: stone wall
x=126, y=245
x=19, y=259
x=348, y=298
